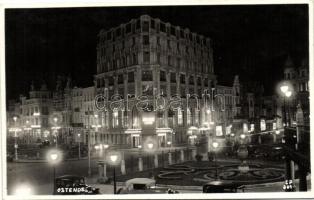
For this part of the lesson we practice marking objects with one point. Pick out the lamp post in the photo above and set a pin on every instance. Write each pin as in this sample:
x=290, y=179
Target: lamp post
x=114, y=158
x=79, y=145
x=286, y=94
x=105, y=146
x=242, y=136
x=54, y=157
x=88, y=114
x=215, y=145
x=15, y=138
x=150, y=149
x=169, y=143
x=28, y=128
x=96, y=125
x=55, y=128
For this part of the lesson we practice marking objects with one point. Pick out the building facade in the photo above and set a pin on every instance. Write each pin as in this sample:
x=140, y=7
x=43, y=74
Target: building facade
x=149, y=57
x=297, y=77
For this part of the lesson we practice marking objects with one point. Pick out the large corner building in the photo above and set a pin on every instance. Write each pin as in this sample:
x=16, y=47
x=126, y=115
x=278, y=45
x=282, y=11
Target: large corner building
x=147, y=56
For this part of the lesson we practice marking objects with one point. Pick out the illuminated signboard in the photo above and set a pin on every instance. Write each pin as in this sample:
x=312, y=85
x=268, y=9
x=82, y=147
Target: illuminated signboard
x=219, y=131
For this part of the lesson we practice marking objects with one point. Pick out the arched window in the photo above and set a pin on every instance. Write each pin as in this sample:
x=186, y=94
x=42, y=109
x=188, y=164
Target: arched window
x=180, y=117
x=115, y=118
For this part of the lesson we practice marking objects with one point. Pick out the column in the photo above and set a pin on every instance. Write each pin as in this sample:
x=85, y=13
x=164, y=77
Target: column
x=193, y=154
x=292, y=170
x=168, y=85
x=156, y=160
x=105, y=171
x=170, y=158
x=178, y=83
x=100, y=170
x=123, y=167
x=259, y=139
x=181, y=155
x=140, y=164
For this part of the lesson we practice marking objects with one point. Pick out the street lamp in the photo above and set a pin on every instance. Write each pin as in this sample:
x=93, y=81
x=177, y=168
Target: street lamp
x=114, y=158
x=79, y=145
x=15, y=138
x=150, y=149
x=54, y=157
x=242, y=136
x=55, y=128
x=150, y=146
x=215, y=145
x=28, y=129
x=285, y=90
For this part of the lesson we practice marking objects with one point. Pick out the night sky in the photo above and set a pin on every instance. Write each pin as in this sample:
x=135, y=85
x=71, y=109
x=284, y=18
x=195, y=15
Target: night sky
x=251, y=41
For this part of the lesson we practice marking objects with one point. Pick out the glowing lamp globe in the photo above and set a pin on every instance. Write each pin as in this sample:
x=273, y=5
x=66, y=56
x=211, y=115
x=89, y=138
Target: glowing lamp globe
x=215, y=144
x=288, y=94
x=150, y=145
x=114, y=158
x=284, y=88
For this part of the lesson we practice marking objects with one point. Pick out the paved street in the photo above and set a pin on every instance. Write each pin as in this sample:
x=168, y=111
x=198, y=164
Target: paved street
x=40, y=175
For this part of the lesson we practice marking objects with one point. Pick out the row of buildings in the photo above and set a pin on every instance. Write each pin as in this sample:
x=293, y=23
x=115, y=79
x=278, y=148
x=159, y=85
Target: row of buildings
x=153, y=62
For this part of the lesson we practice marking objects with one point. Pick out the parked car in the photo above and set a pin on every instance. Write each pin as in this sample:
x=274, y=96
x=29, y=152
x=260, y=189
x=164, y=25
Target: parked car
x=144, y=186
x=45, y=143
x=222, y=187
x=73, y=185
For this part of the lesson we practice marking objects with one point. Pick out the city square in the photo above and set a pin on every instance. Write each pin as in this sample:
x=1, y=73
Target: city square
x=141, y=103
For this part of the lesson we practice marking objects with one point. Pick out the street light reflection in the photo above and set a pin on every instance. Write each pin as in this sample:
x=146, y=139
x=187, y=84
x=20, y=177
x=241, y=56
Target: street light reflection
x=23, y=190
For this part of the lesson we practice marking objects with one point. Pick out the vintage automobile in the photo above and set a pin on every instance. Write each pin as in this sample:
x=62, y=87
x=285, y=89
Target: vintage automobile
x=73, y=185
x=222, y=187
x=144, y=186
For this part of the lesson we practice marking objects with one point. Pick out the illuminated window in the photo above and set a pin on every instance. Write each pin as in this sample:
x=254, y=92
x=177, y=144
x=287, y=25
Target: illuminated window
x=245, y=128
x=252, y=127
x=115, y=118
x=219, y=131
x=180, y=117
x=263, y=125
x=196, y=116
x=274, y=126
x=124, y=119
x=188, y=117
